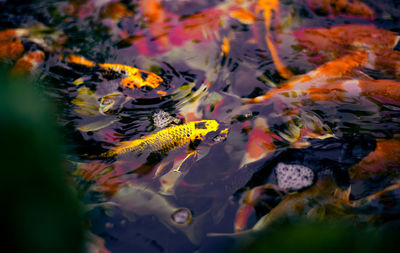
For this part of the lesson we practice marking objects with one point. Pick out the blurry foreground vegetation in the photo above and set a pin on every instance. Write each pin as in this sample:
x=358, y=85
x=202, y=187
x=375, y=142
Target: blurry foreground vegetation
x=333, y=236
x=40, y=210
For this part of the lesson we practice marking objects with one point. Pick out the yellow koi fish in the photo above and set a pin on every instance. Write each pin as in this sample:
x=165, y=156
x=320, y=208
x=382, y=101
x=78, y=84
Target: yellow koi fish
x=170, y=138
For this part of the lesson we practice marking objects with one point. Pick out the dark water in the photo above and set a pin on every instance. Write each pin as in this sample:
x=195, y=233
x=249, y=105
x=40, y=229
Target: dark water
x=213, y=57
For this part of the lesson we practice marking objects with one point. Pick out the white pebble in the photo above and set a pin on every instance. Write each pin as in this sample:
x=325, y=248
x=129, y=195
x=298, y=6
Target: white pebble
x=293, y=177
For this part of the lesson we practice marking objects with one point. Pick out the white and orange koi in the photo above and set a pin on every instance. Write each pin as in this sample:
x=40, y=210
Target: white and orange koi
x=322, y=76
x=28, y=63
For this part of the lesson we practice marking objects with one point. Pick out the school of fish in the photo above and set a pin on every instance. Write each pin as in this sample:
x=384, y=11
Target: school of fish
x=244, y=106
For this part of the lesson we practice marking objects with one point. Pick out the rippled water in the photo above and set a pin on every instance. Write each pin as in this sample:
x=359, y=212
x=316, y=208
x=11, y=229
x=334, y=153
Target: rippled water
x=331, y=108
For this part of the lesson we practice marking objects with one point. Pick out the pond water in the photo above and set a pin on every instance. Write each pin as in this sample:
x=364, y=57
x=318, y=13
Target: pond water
x=191, y=125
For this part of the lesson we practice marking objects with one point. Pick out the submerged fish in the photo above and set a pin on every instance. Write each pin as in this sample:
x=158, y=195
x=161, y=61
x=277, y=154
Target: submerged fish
x=136, y=200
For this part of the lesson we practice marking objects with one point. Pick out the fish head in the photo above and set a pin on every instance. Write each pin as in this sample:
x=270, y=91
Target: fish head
x=110, y=102
x=215, y=133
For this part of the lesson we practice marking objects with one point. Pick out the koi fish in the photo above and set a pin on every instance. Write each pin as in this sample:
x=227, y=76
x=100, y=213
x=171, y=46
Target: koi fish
x=168, y=30
x=133, y=77
x=115, y=11
x=292, y=205
x=181, y=166
x=268, y=7
x=170, y=138
x=136, y=200
x=169, y=141
x=384, y=160
x=326, y=199
x=189, y=107
x=104, y=175
x=294, y=132
x=322, y=76
x=28, y=63
x=331, y=8
x=101, y=110
x=260, y=143
x=11, y=49
x=331, y=43
x=248, y=200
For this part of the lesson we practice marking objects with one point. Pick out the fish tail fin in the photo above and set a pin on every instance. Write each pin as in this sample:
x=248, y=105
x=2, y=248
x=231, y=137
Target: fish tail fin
x=79, y=60
x=194, y=231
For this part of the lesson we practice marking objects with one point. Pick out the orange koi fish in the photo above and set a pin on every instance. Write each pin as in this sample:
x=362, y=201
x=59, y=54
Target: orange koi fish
x=115, y=11
x=9, y=34
x=105, y=176
x=268, y=7
x=332, y=43
x=133, y=77
x=384, y=160
x=354, y=8
x=316, y=78
x=11, y=47
x=292, y=205
x=11, y=50
x=329, y=82
x=325, y=199
x=28, y=63
x=298, y=129
x=260, y=143
x=168, y=30
x=249, y=199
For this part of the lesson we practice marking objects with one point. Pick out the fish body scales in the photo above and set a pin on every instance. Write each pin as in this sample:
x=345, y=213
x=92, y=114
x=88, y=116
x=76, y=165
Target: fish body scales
x=167, y=139
x=119, y=68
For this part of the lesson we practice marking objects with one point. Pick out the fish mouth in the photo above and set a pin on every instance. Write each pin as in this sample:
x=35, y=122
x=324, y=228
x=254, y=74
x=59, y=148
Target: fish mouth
x=218, y=136
x=223, y=134
x=182, y=216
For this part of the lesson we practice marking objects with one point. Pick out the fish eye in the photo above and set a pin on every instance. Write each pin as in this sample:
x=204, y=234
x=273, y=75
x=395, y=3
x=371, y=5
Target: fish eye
x=106, y=101
x=218, y=138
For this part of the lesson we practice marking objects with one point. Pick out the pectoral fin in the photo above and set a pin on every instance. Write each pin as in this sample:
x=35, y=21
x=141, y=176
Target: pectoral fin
x=97, y=125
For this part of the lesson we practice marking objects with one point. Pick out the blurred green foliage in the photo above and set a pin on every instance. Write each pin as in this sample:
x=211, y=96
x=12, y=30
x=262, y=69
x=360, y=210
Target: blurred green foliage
x=328, y=237
x=39, y=208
